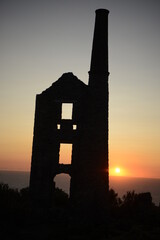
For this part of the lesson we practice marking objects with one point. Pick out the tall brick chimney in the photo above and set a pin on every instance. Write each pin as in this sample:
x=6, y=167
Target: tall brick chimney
x=99, y=58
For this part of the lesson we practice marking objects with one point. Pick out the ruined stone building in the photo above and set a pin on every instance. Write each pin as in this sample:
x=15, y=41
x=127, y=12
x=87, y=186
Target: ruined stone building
x=86, y=129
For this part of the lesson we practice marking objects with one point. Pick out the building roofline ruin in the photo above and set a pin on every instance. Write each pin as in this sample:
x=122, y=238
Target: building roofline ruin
x=86, y=130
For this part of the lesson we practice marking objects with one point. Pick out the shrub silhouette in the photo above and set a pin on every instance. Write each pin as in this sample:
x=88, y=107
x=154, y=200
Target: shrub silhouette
x=60, y=198
x=130, y=217
x=134, y=201
x=114, y=200
x=9, y=198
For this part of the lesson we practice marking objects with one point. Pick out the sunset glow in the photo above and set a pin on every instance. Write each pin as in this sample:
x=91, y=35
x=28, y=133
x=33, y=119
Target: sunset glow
x=117, y=170
x=38, y=48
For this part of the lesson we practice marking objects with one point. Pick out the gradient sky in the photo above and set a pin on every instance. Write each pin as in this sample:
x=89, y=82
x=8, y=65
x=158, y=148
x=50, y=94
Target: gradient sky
x=42, y=39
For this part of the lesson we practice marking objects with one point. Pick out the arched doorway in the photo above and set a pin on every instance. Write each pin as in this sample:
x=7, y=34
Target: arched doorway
x=62, y=181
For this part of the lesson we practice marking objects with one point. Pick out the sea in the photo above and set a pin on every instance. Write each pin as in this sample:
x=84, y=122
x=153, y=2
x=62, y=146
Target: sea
x=19, y=180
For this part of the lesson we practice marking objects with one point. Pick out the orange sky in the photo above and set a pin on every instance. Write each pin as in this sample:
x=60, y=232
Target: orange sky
x=133, y=158
x=36, y=49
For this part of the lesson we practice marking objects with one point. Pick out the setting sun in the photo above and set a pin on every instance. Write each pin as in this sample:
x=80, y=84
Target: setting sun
x=117, y=170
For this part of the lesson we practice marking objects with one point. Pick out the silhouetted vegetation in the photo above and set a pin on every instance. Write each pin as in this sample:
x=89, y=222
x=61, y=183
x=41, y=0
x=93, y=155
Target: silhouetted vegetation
x=60, y=198
x=134, y=216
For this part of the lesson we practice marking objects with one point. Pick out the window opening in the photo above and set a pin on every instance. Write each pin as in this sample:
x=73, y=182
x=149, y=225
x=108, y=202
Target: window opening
x=67, y=109
x=74, y=127
x=65, y=153
x=58, y=126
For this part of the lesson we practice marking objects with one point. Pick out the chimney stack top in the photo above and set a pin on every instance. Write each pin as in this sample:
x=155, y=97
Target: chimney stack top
x=100, y=10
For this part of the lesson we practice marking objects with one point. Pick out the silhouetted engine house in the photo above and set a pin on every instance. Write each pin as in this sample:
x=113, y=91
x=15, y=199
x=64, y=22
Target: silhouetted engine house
x=86, y=129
